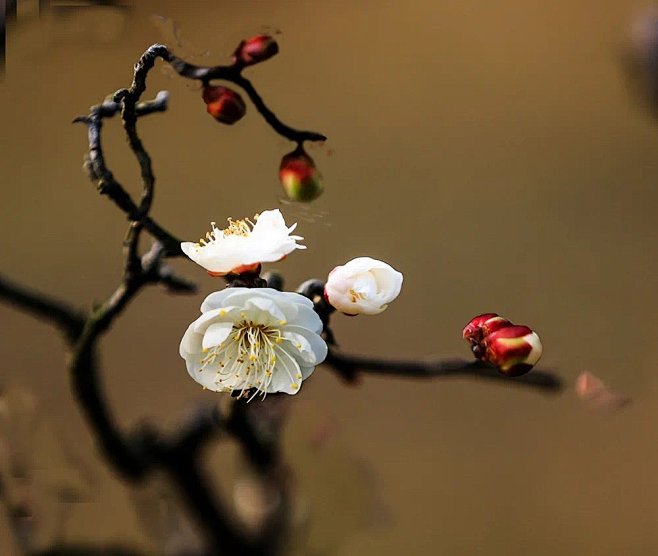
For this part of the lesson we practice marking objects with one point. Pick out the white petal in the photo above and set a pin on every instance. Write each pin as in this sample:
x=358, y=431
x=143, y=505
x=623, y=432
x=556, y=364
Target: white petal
x=216, y=333
x=216, y=299
x=270, y=220
x=190, y=345
x=264, y=310
x=207, y=318
x=388, y=281
x=306, y=371
x=308, y=347
x=287, y=375
x=206, y=377
x=190, y=249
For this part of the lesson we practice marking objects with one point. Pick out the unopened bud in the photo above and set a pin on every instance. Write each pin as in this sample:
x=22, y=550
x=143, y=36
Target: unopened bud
x=479, y=327
x=255, y=50
x=299, y=176
x=513, y=349
x=224, y=104
x=362, y=286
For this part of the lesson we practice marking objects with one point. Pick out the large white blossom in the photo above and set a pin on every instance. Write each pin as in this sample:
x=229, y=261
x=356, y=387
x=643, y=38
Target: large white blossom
x=254, y=338
x=363, y=286
x=243, y=245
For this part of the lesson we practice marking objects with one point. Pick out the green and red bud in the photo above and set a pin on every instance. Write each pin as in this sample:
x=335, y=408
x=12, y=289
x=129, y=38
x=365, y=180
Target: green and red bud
x=299, y=176
x=224, y=104
x=255, y=50
x=513, y=349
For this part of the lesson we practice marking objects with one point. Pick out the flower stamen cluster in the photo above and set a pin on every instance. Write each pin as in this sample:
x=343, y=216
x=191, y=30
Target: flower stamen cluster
x=244, y=244
x=256, y=338
x=251, y=355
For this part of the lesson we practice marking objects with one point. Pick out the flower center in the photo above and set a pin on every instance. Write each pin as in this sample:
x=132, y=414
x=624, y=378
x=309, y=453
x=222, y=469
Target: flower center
x=239, y=228
x=246, y=359
x=356, y=295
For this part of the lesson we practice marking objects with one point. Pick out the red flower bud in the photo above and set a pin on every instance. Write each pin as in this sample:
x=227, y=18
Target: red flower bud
x=299, y=176
x=479, y=327
x=255, y=50
x=513, y=349
x=473, y=330
x=224, y=104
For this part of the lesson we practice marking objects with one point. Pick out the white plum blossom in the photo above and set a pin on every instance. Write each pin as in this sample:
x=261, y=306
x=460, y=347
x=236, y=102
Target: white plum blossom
x=257, y=338
x=363, y=286
x=243, y=245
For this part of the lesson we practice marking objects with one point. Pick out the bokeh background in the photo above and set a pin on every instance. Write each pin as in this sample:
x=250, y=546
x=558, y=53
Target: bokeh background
x=493, y=152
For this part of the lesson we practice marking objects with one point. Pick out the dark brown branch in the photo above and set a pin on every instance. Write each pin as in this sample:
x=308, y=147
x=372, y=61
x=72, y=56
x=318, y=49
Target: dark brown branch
x=19, y=520
x=88, y=391
x=257, y=428
x=349, y=365
x=233, y=75
x=129, y=98
x=262, y=452
x=88, y=550
x=107, y=184
x=46, y=308
x=203, y=503
x=152, y=262
x=277, y=125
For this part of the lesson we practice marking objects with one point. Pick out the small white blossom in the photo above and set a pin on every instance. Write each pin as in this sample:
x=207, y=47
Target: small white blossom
x=243, y=245
x=254, y=338
x=363, y=286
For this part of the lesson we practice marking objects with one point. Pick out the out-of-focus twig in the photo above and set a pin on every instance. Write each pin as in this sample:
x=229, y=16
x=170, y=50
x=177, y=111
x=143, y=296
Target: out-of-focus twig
x=67, y=318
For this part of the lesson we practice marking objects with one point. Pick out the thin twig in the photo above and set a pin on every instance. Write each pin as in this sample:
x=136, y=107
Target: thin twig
x=233, y=75
x=105, y=181
x=129, y=99
x=349, y=365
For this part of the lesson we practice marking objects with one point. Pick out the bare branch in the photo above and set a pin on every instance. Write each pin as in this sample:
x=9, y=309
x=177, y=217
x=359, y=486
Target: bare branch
x=233, y=75
x=67, y=318
x=105, y=181
x=349, y=365
x=129, y=99
x=88, y=550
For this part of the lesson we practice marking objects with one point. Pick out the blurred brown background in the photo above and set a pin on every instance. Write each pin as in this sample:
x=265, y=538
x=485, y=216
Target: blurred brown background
x=491, y=151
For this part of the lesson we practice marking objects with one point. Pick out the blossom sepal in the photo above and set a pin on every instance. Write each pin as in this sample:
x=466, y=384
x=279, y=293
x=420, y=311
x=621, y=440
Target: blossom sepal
x=362, y=286
x=243, y=269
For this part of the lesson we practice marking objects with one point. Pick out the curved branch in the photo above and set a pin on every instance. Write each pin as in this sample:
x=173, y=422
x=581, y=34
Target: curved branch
x=233, y=75
x=270, y=117
x=67, y=318
x=129, y=99
x=105, y=180
x=349, y=365
x=88, y=391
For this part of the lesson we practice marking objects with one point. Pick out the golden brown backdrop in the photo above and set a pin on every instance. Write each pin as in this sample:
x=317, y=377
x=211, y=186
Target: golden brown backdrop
x=491, y=151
